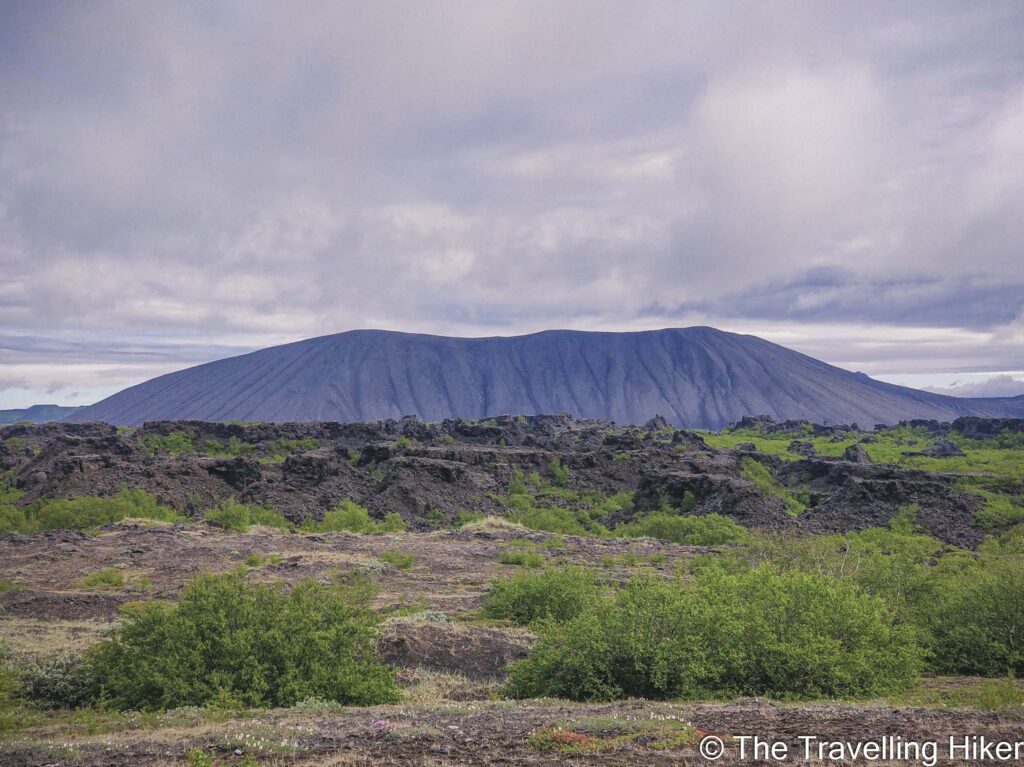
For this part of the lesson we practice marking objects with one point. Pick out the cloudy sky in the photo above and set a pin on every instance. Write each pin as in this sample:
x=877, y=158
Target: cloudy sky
x=184, y=181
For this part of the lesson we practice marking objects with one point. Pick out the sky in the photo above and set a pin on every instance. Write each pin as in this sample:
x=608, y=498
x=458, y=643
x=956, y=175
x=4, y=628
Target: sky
x=183, y=181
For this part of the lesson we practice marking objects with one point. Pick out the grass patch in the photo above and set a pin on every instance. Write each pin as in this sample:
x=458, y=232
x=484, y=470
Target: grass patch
x=398, y=559
x=521, y=558
x=770, y=487
x=108, y=578
x=1002, y=694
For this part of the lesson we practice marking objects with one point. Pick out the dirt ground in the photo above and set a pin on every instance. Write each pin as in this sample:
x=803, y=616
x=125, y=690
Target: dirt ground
x=450, y=663
x=497, y=733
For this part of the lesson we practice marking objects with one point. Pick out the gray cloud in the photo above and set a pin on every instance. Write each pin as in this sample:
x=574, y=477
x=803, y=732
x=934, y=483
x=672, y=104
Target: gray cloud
x=186, y=180
x=994, y=386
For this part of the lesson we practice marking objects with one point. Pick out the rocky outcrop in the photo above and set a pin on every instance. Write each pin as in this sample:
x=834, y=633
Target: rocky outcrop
x=942, y=448
x=856, y=453
x=429, y=473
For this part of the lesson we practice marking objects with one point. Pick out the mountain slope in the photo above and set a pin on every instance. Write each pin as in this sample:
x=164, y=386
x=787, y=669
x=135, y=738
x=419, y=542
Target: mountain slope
x=695, y=377
x=36, y=414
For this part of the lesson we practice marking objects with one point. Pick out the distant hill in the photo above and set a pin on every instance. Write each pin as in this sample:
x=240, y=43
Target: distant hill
x=694, y=377
x=37, y=414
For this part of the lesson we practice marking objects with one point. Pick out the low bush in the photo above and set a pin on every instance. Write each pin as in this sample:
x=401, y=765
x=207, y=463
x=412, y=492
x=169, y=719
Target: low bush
x=59, y=681
x=238, y=517
x=350, y=517
x=976, y=621
x=558, y=594
x=254, y=644
x=174, y=443
x=757, y=632
x=553, y=519
x=84, y=513
x=706, y=530
x=559, y=473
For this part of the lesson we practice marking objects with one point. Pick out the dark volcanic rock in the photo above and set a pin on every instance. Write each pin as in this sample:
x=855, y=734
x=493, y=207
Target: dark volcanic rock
x=429, y=473
x=942, y=448
x=987, y=428
x=798, y=447
x=856, y=454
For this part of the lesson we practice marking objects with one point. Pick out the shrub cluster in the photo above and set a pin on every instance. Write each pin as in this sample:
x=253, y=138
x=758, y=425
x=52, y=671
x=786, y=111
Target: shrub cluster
x=557, y=594
x=705, y=530
x=254, y=645
x=758, y=632
x=350, y=517
x=84, y=513
x=966, y=607
x=238, y=517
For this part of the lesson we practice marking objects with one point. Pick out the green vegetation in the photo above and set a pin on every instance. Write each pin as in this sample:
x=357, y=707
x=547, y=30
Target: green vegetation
x=178, y=442
x=559, y=473
x=521, y=558
x=81, y=513
x=1000, y=509
x=756, y=632
x=768, y=486
x=253, y=644
x=239, y=517
x=465, y=517
x=175, y=443
x=279, y=449
x=998, y=694
x=398, y=559
x=232, y=448
x=350, y=517
x=539, y=504
x=109, y=578
x=557, y=594
x=706, y=530
x=1001, y=456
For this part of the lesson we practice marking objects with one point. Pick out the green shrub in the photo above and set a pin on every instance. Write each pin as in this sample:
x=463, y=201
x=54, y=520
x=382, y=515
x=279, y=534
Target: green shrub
x=234, y=447
x=84, y=513
x=265, y=517
x=465, y=517
x=559, y=594
x=174, y=443
x=976, y=622
x=552, y=519
x=349, y=516
x=520, y=558
x=758, y=632
x=398, y=559
x=10, y=686
x=706, y=530
x=281, y=448
x=403, y=441
x=238, y=517
x=254, y=644
x=559, y=473
x=59, y=681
